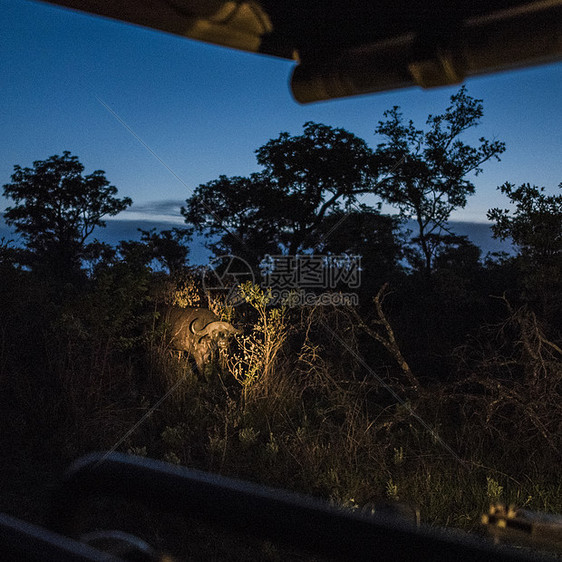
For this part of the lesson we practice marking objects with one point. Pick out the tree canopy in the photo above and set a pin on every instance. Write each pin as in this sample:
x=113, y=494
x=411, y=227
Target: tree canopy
x=426, y=171
x=281, y=208
x=168, y=247
x=57, y=207
x=307, y=178
x=535, y=225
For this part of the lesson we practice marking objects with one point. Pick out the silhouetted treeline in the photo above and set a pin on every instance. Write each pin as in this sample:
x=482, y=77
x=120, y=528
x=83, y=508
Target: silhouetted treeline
x=443, y=387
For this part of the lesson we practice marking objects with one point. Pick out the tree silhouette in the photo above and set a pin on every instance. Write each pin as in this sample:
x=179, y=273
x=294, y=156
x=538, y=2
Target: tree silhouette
x=535, y=227
x=57, y=208
x=427, y=170
x=369, y=234
x=280, y=209
x=168, y=247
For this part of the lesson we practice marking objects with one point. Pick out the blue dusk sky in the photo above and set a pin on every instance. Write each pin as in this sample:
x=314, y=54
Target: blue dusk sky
x=161, y=114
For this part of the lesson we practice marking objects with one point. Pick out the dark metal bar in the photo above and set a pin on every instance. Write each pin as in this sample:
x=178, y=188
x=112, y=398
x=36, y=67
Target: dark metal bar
x=261, y=512
x=24, y=541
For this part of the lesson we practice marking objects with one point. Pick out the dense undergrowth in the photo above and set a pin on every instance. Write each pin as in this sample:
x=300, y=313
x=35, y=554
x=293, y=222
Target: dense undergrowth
x=432, y=393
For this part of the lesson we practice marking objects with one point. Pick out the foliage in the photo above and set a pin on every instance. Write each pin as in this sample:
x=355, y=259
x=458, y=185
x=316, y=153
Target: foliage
x=242, y=211
x=184, y=291
x=169, y=247
x=294, y=404
x=427, y=170
x=8, y=253
x=509, y=392
x=460, y=255
x=367, y=233
x=306, y=196
x=280, y=209
x=320, y=171
x=57, y=207
x=254, y=365
x=534, y=226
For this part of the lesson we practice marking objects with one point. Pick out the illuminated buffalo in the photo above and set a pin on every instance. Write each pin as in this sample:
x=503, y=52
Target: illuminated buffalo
x=198, y=332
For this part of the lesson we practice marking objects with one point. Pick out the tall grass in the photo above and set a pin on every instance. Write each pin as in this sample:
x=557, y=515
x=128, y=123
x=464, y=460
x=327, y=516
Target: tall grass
x=292, y=404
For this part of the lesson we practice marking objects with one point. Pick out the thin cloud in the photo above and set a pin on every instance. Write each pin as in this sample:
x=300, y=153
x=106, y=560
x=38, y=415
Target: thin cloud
x=167, y=210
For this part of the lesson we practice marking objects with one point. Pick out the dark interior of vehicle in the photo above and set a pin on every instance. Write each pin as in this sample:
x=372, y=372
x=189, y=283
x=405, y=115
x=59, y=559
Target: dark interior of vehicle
x=358, y=47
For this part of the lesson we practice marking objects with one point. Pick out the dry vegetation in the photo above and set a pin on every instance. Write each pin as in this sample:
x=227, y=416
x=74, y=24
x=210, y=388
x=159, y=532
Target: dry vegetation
x=320, y=400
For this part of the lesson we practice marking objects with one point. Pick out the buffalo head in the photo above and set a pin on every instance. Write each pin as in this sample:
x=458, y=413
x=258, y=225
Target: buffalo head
x=198, y=332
